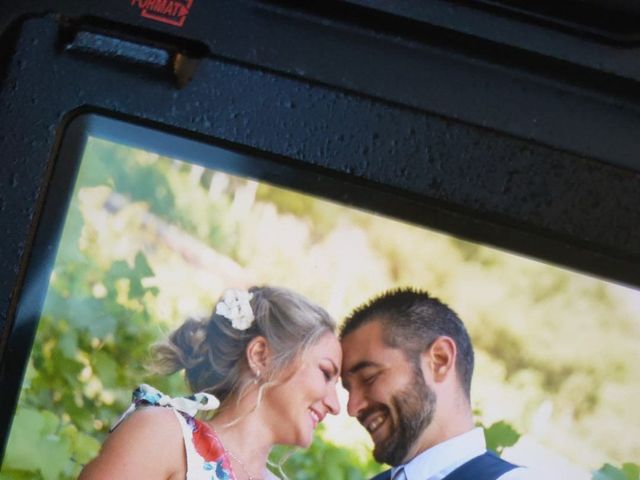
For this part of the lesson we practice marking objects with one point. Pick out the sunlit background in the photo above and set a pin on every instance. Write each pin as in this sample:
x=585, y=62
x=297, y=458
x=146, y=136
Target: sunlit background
x=149, y=241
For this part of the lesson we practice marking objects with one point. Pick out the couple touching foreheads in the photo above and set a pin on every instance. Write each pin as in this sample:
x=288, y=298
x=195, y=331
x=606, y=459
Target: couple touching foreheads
x=266, y=365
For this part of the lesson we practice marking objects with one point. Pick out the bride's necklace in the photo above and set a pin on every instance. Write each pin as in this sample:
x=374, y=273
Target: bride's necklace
x=242, y=465
x=237, y=459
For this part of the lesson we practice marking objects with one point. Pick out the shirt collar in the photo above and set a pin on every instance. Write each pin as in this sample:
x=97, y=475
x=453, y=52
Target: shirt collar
x=440, y=460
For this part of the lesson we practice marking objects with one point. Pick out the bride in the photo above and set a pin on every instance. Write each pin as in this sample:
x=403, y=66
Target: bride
x=266, y=363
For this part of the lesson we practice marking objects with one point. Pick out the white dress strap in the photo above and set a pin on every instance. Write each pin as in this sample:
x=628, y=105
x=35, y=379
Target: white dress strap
x=147, y=395
x=206, y=457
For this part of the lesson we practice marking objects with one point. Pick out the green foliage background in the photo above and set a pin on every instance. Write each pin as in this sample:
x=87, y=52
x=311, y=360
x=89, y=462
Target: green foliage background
x=149, y=240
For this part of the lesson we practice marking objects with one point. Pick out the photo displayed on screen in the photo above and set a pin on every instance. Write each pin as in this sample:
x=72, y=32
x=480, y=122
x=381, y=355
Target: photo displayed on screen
x=150, y=240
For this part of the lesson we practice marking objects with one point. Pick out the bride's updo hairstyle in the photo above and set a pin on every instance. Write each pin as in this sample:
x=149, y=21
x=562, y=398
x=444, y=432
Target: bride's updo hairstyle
x=212, y=351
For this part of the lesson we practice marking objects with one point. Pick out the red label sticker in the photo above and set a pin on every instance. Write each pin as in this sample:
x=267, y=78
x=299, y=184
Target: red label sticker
x=173, y=12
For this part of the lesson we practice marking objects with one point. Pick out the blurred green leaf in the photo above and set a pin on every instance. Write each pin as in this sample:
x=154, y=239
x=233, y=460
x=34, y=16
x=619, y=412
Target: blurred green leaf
x=35, y=445
x=68, y=343
x=81, y=312
x=325, y=460
x=11, y=474
x=500, y=435
x=106, y=368
x=27, y=425
x=629, y=471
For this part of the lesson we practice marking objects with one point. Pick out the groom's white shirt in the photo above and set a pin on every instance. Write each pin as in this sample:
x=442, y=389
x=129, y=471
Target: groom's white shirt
x=439, y=461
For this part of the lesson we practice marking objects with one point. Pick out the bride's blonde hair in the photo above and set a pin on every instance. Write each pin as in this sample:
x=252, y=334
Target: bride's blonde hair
x=212, y=351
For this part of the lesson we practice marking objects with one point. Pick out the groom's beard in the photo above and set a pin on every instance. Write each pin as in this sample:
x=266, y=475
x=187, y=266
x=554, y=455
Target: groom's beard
x=414, y=407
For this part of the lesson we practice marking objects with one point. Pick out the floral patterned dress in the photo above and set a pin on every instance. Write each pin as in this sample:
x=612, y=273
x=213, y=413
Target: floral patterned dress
x=206, y=457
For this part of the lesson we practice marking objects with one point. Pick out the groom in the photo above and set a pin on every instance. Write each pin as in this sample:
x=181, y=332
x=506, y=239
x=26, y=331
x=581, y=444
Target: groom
x=407, y=364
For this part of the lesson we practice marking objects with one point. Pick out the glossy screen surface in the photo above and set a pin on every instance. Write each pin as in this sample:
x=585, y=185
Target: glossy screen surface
x=154, y=227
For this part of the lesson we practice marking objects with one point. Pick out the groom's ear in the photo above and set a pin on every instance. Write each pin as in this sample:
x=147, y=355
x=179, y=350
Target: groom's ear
x=440, y=358
x=258, y=354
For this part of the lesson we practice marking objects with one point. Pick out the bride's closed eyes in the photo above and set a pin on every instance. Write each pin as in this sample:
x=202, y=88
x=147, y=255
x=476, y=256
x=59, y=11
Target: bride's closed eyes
x=329, y=370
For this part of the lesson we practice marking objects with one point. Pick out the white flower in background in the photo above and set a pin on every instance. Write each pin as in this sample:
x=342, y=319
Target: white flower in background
x=235, y=306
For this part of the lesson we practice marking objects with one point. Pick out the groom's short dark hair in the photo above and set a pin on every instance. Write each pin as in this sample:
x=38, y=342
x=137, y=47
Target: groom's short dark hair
x=412, y=320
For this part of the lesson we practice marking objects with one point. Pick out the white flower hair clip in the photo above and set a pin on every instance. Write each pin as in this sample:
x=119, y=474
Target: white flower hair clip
x=235, y=306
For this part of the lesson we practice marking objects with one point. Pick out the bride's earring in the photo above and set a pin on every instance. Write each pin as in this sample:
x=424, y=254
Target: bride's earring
x=257, y=379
